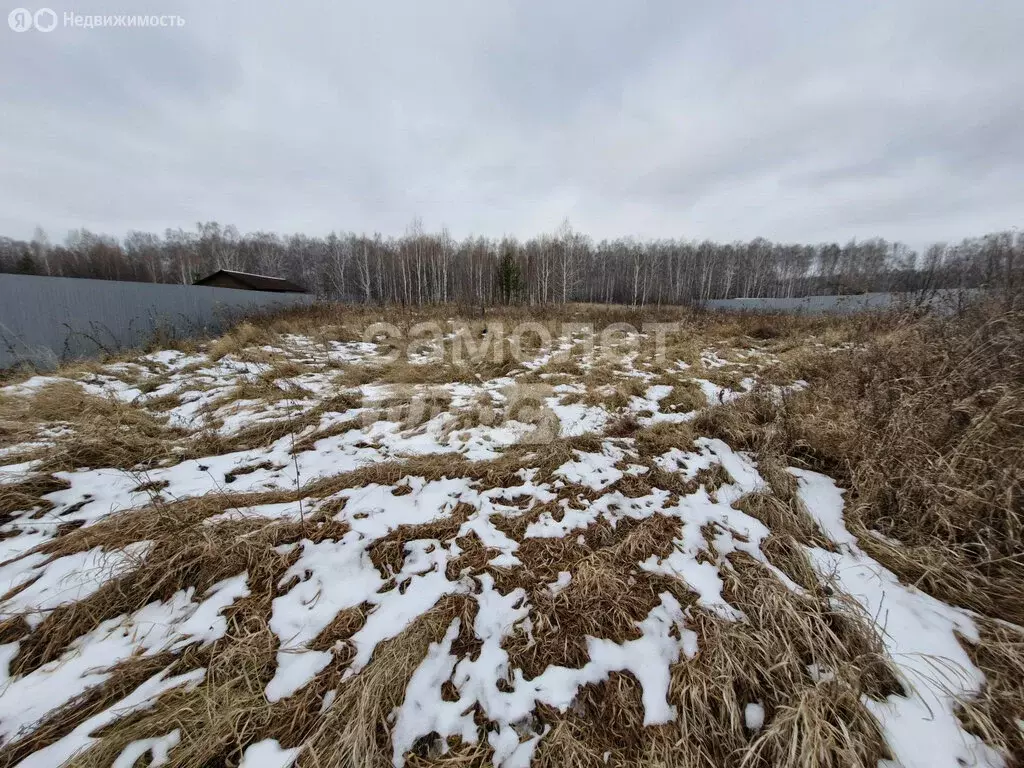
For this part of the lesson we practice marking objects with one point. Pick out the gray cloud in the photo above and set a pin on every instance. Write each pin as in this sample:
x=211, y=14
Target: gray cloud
x=796, y=120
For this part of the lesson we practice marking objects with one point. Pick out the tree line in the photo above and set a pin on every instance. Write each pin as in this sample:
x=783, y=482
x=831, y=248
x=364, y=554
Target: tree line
x=564, y=266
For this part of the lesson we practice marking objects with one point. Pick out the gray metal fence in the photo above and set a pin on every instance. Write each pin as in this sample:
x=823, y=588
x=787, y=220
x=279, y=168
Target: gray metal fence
x=945, y=300
x=44, y=320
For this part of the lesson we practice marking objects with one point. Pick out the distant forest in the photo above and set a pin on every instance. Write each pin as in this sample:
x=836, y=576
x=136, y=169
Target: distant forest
x=424, y=268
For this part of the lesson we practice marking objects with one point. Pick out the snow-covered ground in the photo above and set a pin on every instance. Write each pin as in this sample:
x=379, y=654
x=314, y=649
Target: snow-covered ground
x=326, y=576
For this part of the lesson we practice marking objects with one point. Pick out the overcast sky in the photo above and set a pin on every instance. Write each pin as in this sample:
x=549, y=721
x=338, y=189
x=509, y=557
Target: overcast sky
x=806, y=121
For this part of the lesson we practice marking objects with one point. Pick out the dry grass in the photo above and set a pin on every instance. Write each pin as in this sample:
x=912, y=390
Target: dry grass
x=241, y=336
x=996, y=715
x=657, y=439
x=685, y=397
x=104, y=432
x=354, y=731
x=925, y=425
x=764, y=659
x=614, y=395
x=923, y=421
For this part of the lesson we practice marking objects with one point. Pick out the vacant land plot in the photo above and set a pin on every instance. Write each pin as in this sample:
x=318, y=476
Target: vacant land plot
x=581, y=538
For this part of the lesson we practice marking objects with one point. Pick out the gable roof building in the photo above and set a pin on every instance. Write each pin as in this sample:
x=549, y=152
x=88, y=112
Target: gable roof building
x=229, y=278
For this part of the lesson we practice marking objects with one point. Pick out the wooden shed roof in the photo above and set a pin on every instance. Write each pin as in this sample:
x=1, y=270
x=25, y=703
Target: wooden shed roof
x=256, y=282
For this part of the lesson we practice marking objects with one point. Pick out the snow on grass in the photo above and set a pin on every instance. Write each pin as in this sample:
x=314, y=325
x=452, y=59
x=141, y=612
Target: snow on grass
x=156, y=627
x=81, y=738
x=290, y=511
x=206, y=622
x=663, y=639
x=47, y=584
x=308, y=607
x=483, y=443
x=594, y=470
x=373, y=510
x=425, y=583
x=17, y=473
x=920, y=634
x=20, y=539
x=578, y=419
x=268, y=754
x=333, y=575
x=156, y=747
x=556, y=586
x=753, y=716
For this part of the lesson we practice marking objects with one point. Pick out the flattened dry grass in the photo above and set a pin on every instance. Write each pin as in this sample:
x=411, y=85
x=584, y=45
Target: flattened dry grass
x=995, y=715
x=926, y=427
x=922, y=422
x=185, y=553
x=101, y=432
x=765, y=659
x=354, y=731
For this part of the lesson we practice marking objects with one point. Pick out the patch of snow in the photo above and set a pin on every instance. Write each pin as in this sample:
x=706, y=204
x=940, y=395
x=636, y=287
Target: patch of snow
x=307, y=608
x=207, y=624
x=268, y=754
x=753, y=716
x=396, y=610
x=80, y=739
x=87, y=662
x=157, y=748
x=920, y=634
x=556, y=586
x=63, y=580
x=594, y=470
x=577, y=419
x=658, y=392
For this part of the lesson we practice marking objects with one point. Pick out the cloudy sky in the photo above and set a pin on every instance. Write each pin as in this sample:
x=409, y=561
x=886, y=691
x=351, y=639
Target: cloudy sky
x=805, y=121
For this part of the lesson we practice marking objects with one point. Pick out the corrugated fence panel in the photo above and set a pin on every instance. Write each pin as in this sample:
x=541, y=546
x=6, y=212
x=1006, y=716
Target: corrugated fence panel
x=945, y=300
x=44, y=320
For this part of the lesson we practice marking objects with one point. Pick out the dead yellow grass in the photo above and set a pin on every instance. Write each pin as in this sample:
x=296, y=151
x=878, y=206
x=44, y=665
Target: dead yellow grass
x=995, y=716
x=241, y=336
x=97, y=431
x=657, y=439
x=764, y=659
x=355, y=730
x=925, y=425
x=685, y=396
x=922, y=421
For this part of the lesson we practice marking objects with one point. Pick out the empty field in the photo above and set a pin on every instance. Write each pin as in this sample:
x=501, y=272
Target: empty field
x=574, y=538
